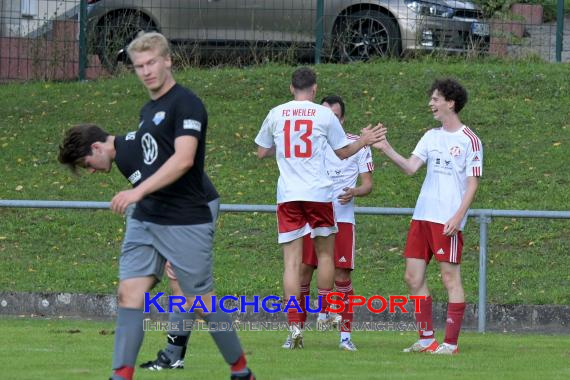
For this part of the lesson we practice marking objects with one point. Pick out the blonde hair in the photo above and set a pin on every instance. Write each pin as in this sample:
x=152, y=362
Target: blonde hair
x=148, y=41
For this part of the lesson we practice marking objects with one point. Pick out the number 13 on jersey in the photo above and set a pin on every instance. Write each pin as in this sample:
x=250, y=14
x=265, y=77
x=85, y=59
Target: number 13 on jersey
x=303, y=146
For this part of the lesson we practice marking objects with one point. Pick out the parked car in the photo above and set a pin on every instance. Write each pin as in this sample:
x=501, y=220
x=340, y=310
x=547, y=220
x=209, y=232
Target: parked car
x=353, y=30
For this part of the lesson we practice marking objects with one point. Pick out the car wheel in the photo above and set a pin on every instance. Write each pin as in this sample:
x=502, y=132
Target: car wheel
x=115, y=32
x=365, y=34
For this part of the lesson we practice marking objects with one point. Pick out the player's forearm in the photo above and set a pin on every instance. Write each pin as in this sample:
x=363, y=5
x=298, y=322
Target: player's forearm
x=362, y=190
x=469, y=197
x=350, y=149
x=404, y=164
x=365, y=186
x=265, y=152
x=174, y=168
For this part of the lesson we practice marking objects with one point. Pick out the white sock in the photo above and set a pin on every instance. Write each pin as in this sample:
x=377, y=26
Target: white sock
x=344, y=335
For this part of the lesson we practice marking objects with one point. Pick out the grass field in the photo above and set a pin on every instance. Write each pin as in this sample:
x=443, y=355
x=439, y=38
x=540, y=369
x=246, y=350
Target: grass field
x=63, y=349
x=518, y=109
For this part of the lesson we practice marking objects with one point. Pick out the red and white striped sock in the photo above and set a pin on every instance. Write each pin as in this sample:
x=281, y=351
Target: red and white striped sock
x=323, y=293
x=345, y=287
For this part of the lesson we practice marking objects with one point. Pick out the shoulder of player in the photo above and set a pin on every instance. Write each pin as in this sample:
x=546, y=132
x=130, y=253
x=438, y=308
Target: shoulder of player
x=187, y=95
x=325, y=111
x=469, y=132
x=471, y=138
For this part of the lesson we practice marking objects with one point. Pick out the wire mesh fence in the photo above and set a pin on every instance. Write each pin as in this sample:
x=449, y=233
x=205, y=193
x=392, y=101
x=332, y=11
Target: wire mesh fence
x=70, y=39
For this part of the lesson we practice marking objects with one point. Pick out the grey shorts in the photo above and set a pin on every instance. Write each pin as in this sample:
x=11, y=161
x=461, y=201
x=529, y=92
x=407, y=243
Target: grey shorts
x=147, y=246
x=214, y=209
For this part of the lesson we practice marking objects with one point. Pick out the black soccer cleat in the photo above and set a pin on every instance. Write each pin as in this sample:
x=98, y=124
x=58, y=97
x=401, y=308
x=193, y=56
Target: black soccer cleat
x=162, y=362
x=248, y=376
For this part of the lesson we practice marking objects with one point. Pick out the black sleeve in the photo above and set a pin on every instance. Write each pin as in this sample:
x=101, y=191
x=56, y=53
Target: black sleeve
x=191, y=117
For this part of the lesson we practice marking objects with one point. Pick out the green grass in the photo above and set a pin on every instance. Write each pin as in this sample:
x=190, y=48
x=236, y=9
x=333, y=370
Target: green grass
x=518, y=110
x=64, y=349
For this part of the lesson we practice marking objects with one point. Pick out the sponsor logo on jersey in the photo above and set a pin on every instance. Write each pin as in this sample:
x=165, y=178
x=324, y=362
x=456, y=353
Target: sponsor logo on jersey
x=447, y=162
x=440, y=251
x=455, y=151
x=135, y=177
x=158, y=117
x=437, y=161
x=150, y=148
x=130, y=136
x=192, y=124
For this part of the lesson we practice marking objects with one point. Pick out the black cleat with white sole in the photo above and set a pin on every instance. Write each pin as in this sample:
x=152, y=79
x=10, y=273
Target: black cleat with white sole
x=162, y=362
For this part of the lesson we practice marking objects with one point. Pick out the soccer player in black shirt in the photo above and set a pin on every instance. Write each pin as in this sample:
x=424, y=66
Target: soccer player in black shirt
x=171, y=213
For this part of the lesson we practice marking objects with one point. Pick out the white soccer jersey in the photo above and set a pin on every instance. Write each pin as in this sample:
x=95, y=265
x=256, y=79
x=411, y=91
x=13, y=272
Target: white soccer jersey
x=451, y=158
x=345, y=173
x=301, y=131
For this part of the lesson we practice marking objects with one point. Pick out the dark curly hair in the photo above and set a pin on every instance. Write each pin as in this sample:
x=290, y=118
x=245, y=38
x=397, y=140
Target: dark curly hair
x=450, y=89
x=335, y=99
x=77, y=144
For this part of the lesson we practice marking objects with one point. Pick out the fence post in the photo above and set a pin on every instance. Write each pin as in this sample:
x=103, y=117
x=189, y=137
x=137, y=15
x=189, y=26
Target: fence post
x=319, y=30
x=484, y=221
x=559, y=30
x=82, y=39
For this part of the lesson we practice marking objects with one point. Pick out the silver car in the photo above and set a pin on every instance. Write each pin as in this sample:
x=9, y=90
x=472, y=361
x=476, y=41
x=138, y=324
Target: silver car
x=352, y=30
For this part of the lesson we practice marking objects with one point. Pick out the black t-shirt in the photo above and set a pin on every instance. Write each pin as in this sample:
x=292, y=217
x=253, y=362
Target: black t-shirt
x=129, y=162
x=177, y=113
x=211, y=192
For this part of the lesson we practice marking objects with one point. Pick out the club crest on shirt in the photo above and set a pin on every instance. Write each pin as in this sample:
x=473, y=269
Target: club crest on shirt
x=158, y=117
x=455, y=151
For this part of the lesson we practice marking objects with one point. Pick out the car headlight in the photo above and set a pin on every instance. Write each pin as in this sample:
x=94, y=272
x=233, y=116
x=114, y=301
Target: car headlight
x=429, y=9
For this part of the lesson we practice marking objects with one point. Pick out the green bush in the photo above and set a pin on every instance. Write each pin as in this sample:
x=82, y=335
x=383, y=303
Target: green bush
x=496, y=8
x=501, y=8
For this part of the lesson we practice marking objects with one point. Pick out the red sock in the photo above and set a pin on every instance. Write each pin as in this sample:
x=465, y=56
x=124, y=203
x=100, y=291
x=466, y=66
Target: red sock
x=424, y=319
x=125, y=372
x=323, y=293
x=345, y=287
x=240, y=365
x=455, y=312
x=293, y=316
x=305, y=292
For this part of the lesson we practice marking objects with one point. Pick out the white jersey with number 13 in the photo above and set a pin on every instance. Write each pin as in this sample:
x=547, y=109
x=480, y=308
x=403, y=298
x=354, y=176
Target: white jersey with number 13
x=300, y=132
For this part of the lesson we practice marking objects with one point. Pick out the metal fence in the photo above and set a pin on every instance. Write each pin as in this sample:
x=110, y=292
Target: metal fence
x=78, y=39
x=484, y=217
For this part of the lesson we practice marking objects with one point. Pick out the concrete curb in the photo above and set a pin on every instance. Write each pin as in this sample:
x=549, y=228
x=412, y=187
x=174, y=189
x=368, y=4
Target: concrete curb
x=504, y=318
